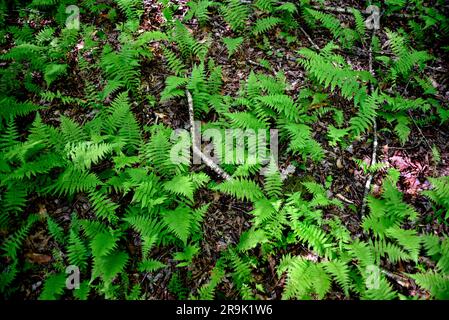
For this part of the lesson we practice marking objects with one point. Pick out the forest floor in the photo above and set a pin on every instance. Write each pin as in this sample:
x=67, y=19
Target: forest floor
x=227, y=218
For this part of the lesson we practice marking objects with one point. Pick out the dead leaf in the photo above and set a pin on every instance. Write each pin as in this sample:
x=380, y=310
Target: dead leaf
x=38, y=258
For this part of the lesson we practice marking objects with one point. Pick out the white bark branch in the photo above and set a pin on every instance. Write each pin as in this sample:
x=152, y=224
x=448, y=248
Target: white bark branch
x=196, y=150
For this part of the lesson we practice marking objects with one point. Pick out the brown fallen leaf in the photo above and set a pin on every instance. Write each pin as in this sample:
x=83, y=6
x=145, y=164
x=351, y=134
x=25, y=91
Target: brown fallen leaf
x=38, y=258
x=339, y=163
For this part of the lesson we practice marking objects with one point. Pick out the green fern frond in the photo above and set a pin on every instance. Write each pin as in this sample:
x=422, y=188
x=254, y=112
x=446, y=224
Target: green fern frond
x=54, y=286
x=76, y=251
x=180, y=185
x=265, y=24
x=340, y=272
x=102, y=206
x=273, y=182
x=241, y=189
x=235, y=14
x=179, y=221
x=232, y=44
x=150, y=265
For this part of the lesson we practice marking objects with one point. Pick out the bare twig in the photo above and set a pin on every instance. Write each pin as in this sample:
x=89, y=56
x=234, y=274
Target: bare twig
x=254, y=63
x=309, y=38
x=343, y=198
x=375, y=142
x=419, y=129
x=196, y=150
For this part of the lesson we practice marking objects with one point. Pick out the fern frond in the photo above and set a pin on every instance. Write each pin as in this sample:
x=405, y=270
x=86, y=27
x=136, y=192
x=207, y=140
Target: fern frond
x=102, y=206
x=235, y=14
x=54, y=286
x=241, y=189
x=340, y=272
x=265, y=24
x=232, y=44
x=179, y=221
x=76, y=251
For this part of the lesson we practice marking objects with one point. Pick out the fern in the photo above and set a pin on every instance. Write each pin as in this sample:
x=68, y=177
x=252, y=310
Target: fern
x=340, y=272
x=200, y=10
x=273, y=182
x=383, y=291
x=85, y=154
x=406, y=59
x=102, y=206
x=242, y=269
x=301, y=142
x=331, y=71
x=76, y=251
x=55, y=230
x=174, y=63
x=73, y=181
x=241, y=189
x=11, y=245
x=439, y=194
x=207, y=291
x=181, y=185
x=232, y=45
x=150, y=265
x=179, y=222
x=407, y=239
x=130, y=7
x=314, y=237
x=265, y=24
x=53, y=287
x=108, y=267
x=122, y=66
x=436, y=283
x=360, y=26
x=187, y=44
x=266, y=5
x=366, y=115
x=235, y=14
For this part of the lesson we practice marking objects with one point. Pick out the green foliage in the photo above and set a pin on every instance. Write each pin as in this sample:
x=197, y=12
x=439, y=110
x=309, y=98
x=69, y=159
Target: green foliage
x=328, y=21
x=241, y=189
x=235, y=14
x=179, y=222
x=390, y=210
x=406, y=58
x=232, y=44
x=439, y=194
x=265, y=24
x=200, y=10
x=87, y=135
x=53, y=287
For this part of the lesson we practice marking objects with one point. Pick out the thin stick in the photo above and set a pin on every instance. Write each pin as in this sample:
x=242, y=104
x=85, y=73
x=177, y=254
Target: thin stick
x=342, y=198
x=309, y=38
x=375, y=142
x=208, y=161
x=419, y=129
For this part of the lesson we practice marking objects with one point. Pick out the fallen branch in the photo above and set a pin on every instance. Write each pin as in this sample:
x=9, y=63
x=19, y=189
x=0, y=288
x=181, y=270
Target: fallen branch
x=196, y=150
x=375, y=142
